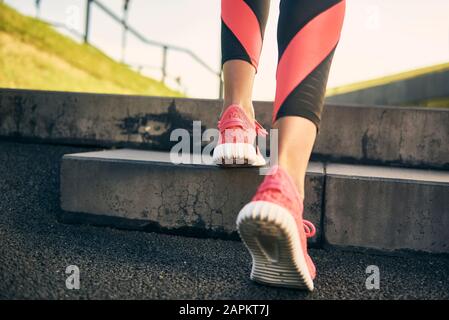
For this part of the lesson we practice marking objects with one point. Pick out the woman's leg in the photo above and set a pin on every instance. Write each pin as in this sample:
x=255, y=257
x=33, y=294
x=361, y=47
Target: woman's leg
x=308, y=32
x=243, y=26
x=238, y=78
x=296, y=139
x=272, y=224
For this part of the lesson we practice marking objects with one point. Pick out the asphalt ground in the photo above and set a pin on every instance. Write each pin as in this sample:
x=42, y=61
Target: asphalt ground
x=115, y=264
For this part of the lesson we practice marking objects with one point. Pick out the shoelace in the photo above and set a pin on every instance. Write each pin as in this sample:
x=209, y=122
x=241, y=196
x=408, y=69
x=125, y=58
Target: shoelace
x=309, y=228
x=222, y=125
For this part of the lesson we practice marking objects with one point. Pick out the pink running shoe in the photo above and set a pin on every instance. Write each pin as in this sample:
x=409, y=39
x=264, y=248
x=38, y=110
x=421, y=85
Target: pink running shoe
x=272, y=228
x=237, y=142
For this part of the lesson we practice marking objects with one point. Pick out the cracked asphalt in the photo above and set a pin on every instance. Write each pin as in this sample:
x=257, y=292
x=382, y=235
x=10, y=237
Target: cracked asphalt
x=115, y=264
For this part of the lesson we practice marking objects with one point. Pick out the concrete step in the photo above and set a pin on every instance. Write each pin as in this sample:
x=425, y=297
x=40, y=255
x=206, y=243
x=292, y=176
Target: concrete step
x=359, y=206
x=386, y=208
x=404, y=136
x=143, y=190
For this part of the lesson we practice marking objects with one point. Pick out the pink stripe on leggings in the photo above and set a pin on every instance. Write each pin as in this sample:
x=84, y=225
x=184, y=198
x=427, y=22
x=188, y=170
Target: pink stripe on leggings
x=243, y=23
x=308, y=48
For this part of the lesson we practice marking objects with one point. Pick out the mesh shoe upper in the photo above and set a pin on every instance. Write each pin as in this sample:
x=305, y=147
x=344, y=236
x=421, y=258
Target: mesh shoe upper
x=278, y=187
x=236, y=127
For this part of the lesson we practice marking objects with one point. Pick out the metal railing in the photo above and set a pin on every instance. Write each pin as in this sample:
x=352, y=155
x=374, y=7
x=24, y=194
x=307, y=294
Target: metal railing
x=129, y=29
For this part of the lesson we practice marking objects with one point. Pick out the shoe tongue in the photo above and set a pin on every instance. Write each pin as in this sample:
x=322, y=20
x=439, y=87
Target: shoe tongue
x=236, y=111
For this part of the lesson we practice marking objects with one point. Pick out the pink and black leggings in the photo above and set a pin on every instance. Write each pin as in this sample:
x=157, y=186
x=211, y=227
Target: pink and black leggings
x=308, y=33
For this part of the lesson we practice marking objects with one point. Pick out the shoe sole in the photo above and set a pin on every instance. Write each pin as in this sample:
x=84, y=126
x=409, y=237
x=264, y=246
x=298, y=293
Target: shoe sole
x=237, y=155
x=269, y=232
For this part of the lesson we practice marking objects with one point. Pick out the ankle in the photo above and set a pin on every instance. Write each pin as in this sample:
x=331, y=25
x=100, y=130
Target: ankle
x=297, y=177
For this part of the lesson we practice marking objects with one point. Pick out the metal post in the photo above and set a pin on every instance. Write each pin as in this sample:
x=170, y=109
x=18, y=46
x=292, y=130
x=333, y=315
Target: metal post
x=164, y=63
x=38, y=8
x=125, y=28
x=220, y=89
x=220, y=79
x=86, y=30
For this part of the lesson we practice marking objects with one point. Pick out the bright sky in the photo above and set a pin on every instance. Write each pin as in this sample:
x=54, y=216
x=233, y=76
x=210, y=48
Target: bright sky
x=379, y=37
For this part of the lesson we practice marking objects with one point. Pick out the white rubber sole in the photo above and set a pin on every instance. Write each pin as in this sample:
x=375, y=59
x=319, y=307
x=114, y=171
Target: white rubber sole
x=237, y=155
x=269, y=232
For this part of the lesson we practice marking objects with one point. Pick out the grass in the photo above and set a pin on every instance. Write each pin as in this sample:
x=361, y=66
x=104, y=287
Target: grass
x=431, y=103
x=35, y=56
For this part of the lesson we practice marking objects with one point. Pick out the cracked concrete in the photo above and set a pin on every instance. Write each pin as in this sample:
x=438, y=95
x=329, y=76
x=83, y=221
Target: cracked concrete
x=172, y=196
x=384, y=135
x=363, y=206
x=350, y=133
x=388, y=209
